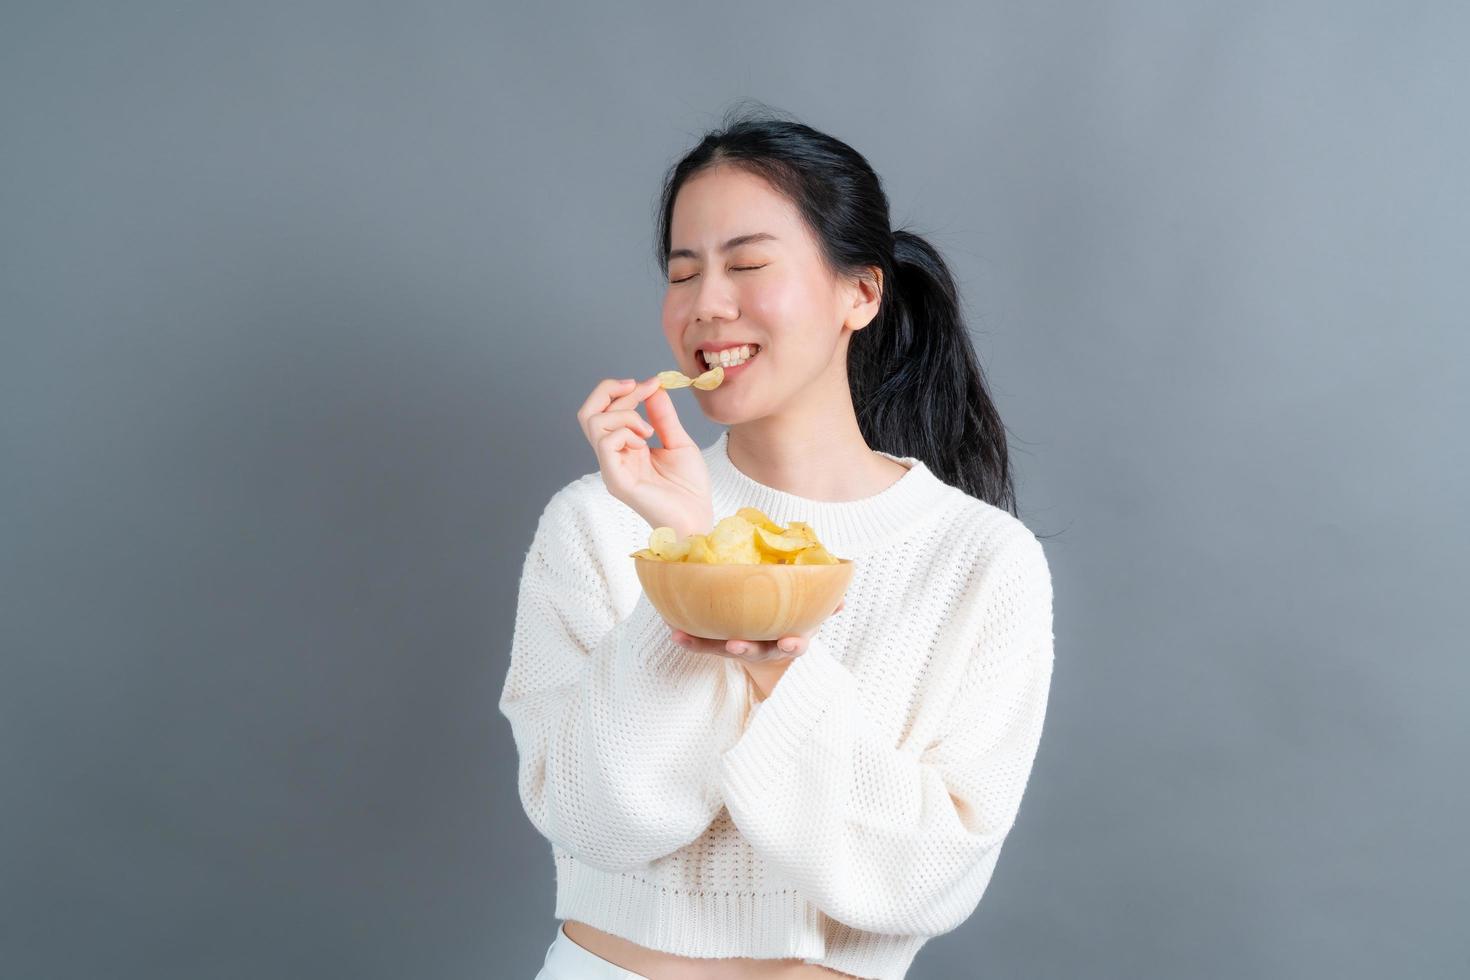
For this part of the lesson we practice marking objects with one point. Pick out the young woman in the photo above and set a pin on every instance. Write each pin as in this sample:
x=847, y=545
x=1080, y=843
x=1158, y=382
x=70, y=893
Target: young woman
x=821, y=805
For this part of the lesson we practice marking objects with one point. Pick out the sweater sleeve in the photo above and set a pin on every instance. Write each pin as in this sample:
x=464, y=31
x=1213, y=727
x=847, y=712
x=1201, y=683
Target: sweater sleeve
x=615, y=725
x=900, y=840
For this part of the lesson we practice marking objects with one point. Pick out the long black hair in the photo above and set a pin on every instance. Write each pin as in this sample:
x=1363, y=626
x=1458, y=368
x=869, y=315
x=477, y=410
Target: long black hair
x=916, y=382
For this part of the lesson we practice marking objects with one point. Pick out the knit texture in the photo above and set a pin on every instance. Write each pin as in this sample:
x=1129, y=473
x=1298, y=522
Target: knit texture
x=846, y=819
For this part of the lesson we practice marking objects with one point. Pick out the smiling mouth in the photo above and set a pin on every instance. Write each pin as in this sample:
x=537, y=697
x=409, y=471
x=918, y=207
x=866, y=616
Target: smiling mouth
x=706, y=366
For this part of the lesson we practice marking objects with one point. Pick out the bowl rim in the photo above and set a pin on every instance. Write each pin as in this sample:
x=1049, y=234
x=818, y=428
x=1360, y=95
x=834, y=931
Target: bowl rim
x=764, y=564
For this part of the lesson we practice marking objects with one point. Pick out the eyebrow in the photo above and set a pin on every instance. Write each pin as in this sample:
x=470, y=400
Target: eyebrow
x=736, y=242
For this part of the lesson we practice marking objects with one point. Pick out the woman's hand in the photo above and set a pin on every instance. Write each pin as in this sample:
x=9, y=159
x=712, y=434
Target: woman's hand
x=764, y=660
x=667, y=486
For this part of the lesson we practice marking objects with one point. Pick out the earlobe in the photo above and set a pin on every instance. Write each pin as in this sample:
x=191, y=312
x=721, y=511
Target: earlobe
x=862, y=315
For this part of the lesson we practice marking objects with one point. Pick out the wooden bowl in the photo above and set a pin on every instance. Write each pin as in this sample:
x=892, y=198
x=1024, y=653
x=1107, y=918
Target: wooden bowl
x=747, y=602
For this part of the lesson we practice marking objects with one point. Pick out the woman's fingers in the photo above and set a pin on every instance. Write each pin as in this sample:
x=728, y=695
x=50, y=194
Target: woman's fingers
x=665, y=420
x=661, y=414
x=751, y=651
x=614, y=397
x=600, y=400
x=630, y=396
x=635, y=393
x=625, y=418
x=764, y=651
x=699, y=644
x=610, y=443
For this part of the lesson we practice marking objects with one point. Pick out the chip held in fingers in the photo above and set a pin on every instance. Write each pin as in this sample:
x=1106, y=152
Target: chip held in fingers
x=678, y=379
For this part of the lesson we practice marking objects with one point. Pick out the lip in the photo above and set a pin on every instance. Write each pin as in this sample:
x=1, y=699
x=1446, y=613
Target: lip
x=718, y=346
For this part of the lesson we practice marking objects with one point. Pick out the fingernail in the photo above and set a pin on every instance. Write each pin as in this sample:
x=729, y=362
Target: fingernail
x=626, y=381
x=788, y=645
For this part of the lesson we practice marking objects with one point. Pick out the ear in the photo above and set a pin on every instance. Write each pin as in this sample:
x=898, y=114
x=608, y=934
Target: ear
x=865, y=296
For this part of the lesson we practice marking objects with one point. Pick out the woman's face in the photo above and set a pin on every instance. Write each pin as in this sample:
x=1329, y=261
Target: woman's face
x=774, y=292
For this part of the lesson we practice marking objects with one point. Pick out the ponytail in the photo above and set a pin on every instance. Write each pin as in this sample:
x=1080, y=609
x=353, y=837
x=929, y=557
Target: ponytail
x=917, y=384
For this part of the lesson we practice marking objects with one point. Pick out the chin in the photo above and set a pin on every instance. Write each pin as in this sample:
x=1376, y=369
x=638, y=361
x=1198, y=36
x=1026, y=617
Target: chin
x=731, y=414
x=726, y=418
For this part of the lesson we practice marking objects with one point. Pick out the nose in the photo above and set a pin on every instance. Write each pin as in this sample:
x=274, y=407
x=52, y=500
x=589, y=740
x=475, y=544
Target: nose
x=714, y=300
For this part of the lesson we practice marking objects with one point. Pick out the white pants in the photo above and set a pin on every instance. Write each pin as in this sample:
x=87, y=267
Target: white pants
x=565, y=960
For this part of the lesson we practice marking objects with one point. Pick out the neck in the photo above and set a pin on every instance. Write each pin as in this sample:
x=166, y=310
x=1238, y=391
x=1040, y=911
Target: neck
x=832, y=462
x=850, y=520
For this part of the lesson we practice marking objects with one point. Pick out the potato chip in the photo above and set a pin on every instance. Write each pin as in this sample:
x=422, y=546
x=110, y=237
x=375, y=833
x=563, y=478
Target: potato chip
x=747, y=537
x=678, y=379
x=699, y=550
x=710, y=379
x=733, y=542
x=802, y=528
x=754, y=516
x=665, y=543
x=815, y=555
x=779, y=545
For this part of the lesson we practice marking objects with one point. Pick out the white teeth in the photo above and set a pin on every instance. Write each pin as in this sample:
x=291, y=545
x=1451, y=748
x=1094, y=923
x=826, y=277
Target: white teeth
x=731, y=356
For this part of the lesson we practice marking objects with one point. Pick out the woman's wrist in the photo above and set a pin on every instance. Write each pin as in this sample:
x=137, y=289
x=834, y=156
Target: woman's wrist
x=765, y=676
x=683, y=525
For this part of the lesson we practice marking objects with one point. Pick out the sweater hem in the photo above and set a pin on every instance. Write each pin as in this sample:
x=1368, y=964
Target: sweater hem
x=718, y=924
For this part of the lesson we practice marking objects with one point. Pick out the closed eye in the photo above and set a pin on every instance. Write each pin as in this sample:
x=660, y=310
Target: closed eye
x=736, y=268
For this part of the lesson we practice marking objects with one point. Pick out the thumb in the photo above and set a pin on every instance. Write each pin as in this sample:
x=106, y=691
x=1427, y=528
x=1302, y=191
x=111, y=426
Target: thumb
x=665, y=420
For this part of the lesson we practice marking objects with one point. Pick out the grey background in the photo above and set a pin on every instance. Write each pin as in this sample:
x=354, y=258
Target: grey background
x=299, y=301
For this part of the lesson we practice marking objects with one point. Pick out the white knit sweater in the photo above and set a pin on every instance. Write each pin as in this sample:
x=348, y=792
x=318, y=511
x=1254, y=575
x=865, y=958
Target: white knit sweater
x=857, y=811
